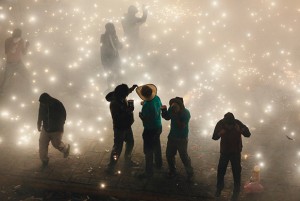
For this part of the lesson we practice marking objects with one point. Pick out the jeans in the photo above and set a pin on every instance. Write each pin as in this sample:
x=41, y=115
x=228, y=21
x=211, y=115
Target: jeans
x=121, y=136
x=178, y=144
x=152, y=149
x=235, y=160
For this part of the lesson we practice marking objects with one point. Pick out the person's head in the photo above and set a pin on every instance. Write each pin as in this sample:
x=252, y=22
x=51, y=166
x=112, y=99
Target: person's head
x=17, y=33
x=110, y=28
x=121, y=91
x=176, y=104
x=229, y=118
x=146, y=92
x=44, y=98
x=132, y=10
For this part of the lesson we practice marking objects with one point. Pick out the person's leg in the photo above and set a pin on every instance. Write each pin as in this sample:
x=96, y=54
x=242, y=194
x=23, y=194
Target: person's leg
x=186, y=160
x=222, y=167
x=157, y=148
x=129, y=147
x=56, y=141
x=170, y=155
x=235, y=161
x=8, y=73
x=43, y=147
x=119, y=136
x=148, y=151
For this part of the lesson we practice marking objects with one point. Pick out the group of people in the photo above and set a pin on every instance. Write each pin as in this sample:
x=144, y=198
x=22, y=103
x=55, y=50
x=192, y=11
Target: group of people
x=52, y=114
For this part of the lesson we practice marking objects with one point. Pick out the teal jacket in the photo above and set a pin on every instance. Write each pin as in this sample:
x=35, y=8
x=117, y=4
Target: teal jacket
x=179, y=123
x=151, y=113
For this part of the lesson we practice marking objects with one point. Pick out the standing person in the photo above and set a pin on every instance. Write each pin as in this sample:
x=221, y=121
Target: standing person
x=178, y=136
x=15, y=48
x=150, y=115
x=51, y=119
x=131, y=25
x=110, y=58
x=122, y=116
x=230, y=131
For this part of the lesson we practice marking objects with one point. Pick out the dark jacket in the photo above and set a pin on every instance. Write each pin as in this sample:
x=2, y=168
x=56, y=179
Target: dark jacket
x=122, y=115
x=231, y=139
x=52, y=116
x=109, y=50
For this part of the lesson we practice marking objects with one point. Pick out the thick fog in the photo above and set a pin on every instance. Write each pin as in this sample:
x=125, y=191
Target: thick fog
x=239, y=56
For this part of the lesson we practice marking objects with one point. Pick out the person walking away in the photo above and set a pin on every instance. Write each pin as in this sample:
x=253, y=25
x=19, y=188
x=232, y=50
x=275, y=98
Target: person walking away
x=51, y=119
x=122, y=116
x=230, y=131
x=178, y=136
x=151, y=118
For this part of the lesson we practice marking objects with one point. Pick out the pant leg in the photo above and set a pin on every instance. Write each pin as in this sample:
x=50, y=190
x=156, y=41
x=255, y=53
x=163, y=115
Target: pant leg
x=148, y=150
x=186, y=160
x=129, y=143
x=43, y=145
x=56, y=141
x=157, y=148
x=119, y=136
x=235, y=161
x=21, y=69
x=222, y=167
x=8, y=73
x=170, y=154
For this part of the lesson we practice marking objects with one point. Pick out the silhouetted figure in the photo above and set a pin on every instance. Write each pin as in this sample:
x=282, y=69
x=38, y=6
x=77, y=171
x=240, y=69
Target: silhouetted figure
x=230, y=131
x=178, y=136
x=110, y=58
x=51, y=119
x=150, y=115
x=122, y=116
x=131, y=25
x=15, y=48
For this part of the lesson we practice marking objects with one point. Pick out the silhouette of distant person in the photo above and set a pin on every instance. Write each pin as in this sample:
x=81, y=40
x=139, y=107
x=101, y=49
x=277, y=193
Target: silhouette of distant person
x=131, y=25
x=110, y=58
x=15, y=48
x=230, y=130
x=122, y=116
x=51, y=119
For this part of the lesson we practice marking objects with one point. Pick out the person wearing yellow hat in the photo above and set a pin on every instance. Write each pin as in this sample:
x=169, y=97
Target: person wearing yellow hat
x=150, y=115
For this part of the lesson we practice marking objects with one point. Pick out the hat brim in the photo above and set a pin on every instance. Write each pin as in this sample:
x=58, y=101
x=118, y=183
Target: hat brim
x=154, y=92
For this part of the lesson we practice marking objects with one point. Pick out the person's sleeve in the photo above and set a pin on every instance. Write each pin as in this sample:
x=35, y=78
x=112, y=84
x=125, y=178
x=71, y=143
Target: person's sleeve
x=166, y=114
x=142, y=19
x=245, y=130
x=217, y=129
x=39, y=121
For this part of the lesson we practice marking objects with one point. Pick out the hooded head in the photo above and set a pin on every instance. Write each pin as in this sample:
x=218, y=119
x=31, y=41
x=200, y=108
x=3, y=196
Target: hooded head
x=110, y=28
x=44, y=98
x=121, y=91
x=176, y=104
x=17, y=33
x=229, y=118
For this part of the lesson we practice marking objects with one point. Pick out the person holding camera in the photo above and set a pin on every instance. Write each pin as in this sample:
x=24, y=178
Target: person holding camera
x=122, y=115
x=178, y=136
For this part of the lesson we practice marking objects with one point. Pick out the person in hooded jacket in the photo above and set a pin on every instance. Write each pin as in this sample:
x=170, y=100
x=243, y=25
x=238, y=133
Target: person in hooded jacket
x=178, y=136
x=51, y=119
x=109, y=48
x=122, y=117
x=230, y=130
